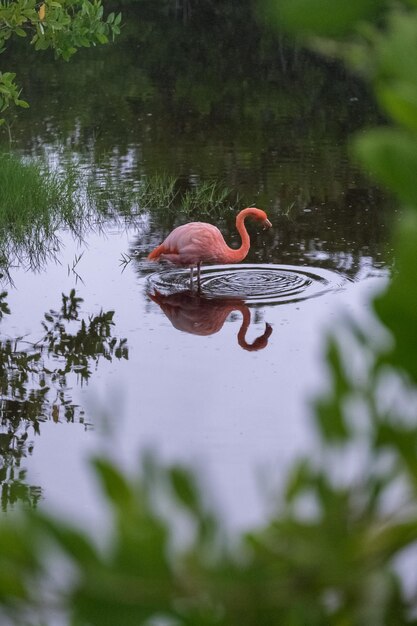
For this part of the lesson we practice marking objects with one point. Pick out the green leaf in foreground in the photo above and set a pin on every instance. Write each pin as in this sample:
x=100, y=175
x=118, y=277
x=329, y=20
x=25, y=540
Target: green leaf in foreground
x=320, y=17
x=397, y=307
x=400, y=101
x=391, y=156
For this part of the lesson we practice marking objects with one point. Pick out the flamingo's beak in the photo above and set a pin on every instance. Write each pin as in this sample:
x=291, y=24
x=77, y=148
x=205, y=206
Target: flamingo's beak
x=266, y=224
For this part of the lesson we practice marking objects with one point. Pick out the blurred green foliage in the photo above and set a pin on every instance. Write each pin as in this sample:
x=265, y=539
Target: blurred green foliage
x=326, y=18
x=333, y=552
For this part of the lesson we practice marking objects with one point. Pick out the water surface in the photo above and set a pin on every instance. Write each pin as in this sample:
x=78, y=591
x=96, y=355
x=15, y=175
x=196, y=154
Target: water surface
x=100, y=353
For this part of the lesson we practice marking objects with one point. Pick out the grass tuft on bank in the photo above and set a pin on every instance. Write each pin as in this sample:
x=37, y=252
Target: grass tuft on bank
x=31, y=194
x=162, y=195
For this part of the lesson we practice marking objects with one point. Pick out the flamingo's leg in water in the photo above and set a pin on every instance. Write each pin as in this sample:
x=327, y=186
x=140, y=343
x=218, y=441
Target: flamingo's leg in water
x=191, y=278
x=198, y=277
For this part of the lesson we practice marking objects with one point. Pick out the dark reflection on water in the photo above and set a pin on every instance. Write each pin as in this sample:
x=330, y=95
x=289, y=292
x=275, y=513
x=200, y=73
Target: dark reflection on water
x=214, y=98
x=192, y=85
x=195, y=314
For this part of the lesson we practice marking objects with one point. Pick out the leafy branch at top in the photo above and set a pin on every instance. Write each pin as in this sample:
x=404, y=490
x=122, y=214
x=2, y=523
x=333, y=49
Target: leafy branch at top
x=62, y=25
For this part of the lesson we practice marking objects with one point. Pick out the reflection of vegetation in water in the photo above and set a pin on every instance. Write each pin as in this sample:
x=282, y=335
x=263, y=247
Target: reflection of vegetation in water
x=13, y=441
x=34, y=383
x=193, y=100
x=35, y=202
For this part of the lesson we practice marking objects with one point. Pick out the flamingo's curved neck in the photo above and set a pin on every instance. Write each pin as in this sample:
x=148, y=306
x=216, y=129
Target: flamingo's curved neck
x=260, y=342
x=241, y=336
x=235, y=256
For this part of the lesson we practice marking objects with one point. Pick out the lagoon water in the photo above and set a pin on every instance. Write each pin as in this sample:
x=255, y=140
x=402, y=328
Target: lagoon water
x=222, y=381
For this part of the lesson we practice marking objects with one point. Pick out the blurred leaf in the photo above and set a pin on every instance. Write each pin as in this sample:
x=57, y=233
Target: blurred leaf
x=115, y=485
x=102, y=38
x=329, y=410
x=22, y=103
x=331, y=420
x=397, y=307
x=388, y=539
x=72, y=541
x=20, y=32
x=392, y=50
x=400, y=101
x=185, y=488
x=391, y=156
x=404, y=441
x=320, y=17
x=298, y=480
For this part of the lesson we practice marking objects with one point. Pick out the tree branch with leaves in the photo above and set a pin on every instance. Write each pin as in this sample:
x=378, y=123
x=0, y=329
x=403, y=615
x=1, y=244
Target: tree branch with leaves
x=62, y=25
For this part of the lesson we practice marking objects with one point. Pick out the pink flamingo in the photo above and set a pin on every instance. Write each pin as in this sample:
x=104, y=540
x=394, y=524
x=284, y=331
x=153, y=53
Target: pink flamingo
x=200, y=316
x=195, y=243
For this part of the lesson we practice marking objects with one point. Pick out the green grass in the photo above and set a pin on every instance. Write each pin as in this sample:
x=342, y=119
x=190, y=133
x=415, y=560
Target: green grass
x=31, y=194
x=209, y=198
x=158, y=192
x=163, y=195
x=34, y=203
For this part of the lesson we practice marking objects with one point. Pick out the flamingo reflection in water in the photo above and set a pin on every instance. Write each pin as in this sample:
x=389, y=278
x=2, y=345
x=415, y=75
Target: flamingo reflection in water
x=205, y=316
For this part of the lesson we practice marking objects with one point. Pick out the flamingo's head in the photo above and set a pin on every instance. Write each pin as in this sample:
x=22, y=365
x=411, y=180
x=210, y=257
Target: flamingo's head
x=263, y=218
x=257, y=214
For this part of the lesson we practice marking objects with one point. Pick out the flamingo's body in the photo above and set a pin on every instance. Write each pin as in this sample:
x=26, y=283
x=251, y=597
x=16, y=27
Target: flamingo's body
x=195, y=243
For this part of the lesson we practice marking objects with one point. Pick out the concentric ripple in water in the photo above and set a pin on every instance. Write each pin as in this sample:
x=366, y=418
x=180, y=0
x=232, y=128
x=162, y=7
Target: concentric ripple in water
x=256, y=284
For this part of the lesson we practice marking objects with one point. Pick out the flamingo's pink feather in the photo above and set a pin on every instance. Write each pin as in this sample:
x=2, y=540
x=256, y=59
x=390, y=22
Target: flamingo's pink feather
x=189, y=244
